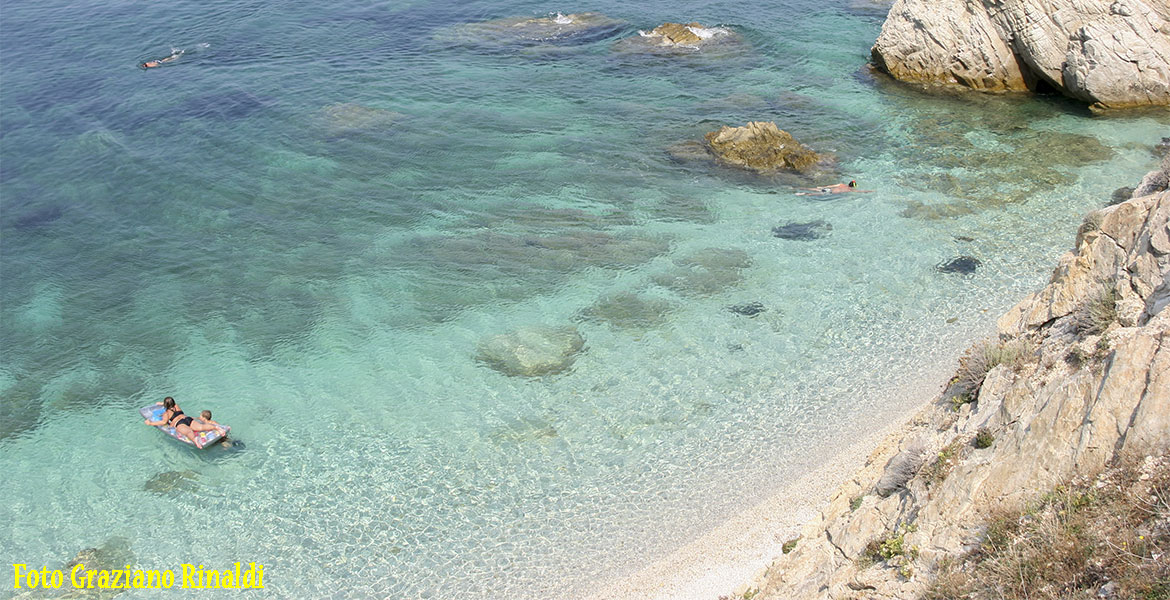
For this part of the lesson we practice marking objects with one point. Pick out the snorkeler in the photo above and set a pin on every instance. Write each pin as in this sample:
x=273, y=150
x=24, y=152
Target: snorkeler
x=150, y=64
x=836, y=188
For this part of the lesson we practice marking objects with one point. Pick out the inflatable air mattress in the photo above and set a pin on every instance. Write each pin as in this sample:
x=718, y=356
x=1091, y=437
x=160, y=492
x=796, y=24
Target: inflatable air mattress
x=154, y=413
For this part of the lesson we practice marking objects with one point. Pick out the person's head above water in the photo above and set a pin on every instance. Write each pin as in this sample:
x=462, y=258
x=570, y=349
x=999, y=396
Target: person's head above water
x=852, y=183
x=168, y=403
x=206, y=415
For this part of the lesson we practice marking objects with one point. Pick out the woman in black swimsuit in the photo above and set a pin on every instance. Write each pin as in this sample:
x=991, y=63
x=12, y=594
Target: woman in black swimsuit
x=188, y=426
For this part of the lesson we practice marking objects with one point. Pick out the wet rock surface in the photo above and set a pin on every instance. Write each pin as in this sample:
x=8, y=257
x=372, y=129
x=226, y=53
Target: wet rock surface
x=680, y=38
x=761, y=147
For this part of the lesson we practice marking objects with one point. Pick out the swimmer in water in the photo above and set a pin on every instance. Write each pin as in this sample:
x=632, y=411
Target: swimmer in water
x=150, y=64
x=836, y=188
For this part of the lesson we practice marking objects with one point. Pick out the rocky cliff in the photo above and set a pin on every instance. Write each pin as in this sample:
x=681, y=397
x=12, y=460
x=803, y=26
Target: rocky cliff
x=1078, y=376
x=1110, y=53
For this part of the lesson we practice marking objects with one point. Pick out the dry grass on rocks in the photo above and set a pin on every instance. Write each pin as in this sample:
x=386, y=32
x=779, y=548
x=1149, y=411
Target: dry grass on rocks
x=1107, y=537
x=981, y=358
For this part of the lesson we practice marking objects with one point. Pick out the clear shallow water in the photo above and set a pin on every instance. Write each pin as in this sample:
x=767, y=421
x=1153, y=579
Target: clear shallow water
x=227, y=231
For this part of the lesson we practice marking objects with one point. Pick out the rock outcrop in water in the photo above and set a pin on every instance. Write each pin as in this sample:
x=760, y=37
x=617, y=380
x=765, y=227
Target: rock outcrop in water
x=532, y=351
x=1110, y=53
x=1078, y=376
x=676, y=38
x=761, y=147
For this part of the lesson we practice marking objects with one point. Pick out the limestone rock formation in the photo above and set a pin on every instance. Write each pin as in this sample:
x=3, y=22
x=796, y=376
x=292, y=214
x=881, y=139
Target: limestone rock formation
x=1061, y=399
x=761, y=147
x=1110, y=53
x=532, y=351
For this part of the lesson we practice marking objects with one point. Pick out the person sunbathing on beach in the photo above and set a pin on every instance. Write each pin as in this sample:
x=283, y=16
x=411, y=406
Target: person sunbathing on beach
x=150, y=64
x=189, y=427
x=836, y=188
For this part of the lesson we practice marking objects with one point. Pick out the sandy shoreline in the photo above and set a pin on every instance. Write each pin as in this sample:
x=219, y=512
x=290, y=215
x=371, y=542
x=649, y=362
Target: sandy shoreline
x=737, y=551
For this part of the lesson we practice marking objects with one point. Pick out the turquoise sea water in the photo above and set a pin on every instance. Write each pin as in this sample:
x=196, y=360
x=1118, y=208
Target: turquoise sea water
x=311, y=221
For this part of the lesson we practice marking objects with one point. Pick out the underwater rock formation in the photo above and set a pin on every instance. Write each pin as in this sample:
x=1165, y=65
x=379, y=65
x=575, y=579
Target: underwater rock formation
x=962, y=265
x=626, y=310
x=347, y=118
x=554, y=29
x=705, y=272
x=802, y=232
x=532, y=351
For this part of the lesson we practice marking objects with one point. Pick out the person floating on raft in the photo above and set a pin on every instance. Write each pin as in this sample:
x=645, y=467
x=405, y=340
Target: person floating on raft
x=185, y=425
x=836, y=188
x=150, y=64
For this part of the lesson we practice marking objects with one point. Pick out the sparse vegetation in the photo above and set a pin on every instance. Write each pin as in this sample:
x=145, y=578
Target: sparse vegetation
x=1097, y=312
x=981, y=358
x=1102, y=347
x=889, y=547
x=1106, y=537
x=790, y=545
x=938, y=469
x=1077, y=357
x=984, y=438
x=855, y=502
x=1092, y=222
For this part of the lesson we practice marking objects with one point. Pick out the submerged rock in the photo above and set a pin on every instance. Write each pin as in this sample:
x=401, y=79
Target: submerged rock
x=803, y=232
x=553, y=29
x=749, y=309
x=761, y=147
x=963, y=265
x=114, y=554
x=39, y=217
x=522, y=430
x=705, y=272
x=532, y=351
x=346, y=117
x=172, y=481
x=629, y=311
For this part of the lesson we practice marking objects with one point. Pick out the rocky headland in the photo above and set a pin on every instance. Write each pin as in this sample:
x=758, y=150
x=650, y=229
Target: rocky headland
x=1076, y=381
x=1109, y=53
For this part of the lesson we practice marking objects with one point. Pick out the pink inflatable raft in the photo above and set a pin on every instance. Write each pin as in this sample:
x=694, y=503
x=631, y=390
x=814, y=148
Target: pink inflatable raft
x=154, y=413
